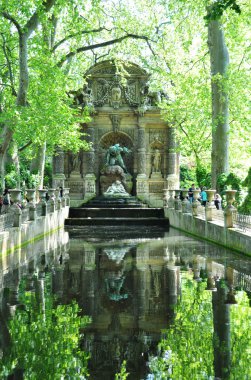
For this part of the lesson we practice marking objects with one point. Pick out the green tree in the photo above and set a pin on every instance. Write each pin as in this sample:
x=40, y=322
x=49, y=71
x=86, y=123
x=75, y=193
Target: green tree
x=173, y=36
x=45, y=338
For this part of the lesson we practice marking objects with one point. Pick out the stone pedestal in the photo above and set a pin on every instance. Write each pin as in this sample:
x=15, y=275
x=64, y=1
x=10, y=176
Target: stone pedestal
x=76, y=185
x=156, y=176
x=58, y=177
x=142, y=186
x=58, y=180
x=90, y=186
x=112, y=173
x=172, y=182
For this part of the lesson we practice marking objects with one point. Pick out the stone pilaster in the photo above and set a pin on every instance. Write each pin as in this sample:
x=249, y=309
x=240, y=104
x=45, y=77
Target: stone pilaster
x=90, y=178
x=58, y=177
x=90, y=155
x=142, y=184
x=172, y=170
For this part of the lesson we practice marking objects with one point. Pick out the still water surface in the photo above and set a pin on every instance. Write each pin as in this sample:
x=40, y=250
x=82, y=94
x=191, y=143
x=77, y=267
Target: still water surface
x=139, y=287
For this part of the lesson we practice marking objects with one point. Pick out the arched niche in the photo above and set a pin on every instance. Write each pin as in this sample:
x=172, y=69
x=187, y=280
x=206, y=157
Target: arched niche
x=112, y=138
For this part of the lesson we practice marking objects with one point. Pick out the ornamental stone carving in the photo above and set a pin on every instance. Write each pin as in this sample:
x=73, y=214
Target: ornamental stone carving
x=115, y=119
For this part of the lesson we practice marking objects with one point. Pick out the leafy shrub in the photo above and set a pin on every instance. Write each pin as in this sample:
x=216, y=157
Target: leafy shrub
x=227, y=182
x=246, y=205
x=11, y=179
x=203, y=177
x=187, y=177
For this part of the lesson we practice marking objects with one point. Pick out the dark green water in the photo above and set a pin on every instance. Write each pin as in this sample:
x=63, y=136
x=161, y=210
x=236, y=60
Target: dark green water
x=139, y=286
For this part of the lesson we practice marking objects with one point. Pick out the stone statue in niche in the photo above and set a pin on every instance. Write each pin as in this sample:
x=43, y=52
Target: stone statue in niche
x=76, y=163
x=114, y=157
x=156, y=161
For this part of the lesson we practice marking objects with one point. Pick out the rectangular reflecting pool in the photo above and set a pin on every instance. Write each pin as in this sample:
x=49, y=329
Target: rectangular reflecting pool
x=99, y=302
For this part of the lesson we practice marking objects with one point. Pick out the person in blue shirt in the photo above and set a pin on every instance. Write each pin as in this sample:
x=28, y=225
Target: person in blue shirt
x=203, y=196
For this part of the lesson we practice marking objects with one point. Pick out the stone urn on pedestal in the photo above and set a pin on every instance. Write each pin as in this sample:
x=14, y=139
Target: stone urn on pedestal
x=66, y=197
x=195, y=203
x=185, y=203
x=15, y=196
x=31, y=195
x=51, y=202
x=165, y=198
x=42, y=196
x=170, y=201
x=230, y=210
x=210, y=204
x=58, y=200
x=177, y=201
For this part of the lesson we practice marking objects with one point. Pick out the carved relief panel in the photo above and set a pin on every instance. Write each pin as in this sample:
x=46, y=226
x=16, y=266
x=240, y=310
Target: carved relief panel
x=113, y=88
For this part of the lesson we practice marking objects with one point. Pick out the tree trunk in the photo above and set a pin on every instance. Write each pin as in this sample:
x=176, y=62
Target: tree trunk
x=23, y=35
x=2, y=171
x=219, y=60
x=15, y=159
x=38, y=164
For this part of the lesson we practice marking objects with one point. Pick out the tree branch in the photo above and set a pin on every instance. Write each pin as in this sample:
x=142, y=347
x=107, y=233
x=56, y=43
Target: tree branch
x=98, y=57
x=157, y=28
x=13, y=20
x=243, y=57
x=188, y=138
x=25, y=146
x=198, y=60
x=99, y=45
x=77, y=34
x=9, y=66
x=33, y=22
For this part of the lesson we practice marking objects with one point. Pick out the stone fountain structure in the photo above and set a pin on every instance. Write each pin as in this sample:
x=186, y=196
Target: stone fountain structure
x=124, y=113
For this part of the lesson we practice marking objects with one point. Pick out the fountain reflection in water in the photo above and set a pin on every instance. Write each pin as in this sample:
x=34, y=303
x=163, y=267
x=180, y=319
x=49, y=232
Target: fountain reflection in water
x=129, y=284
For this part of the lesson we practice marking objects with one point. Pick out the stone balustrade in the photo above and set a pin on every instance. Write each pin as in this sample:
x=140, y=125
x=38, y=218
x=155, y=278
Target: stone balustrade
x=31, y=207
x=229, y=213
x=220, y=226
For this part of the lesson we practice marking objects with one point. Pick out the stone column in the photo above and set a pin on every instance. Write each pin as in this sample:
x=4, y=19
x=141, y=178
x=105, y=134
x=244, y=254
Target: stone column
x=58, y=177
x=90, y=178
x=172, y=177
x=142, y=184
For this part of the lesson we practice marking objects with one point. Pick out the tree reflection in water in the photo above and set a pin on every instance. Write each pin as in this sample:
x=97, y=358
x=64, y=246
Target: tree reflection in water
x=133, y=290
x=44, y=337
x=200, y=344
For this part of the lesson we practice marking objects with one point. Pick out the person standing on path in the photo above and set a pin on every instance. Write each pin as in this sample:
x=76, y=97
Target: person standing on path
x=190, y=193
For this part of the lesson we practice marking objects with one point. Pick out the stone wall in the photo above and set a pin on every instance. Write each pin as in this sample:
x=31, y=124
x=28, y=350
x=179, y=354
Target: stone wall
x=210, y=230
x=12, y=238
